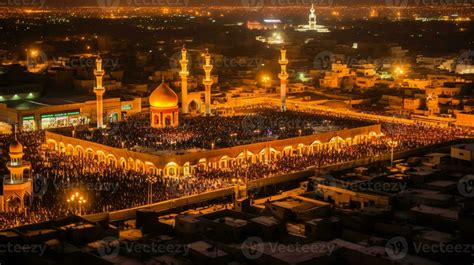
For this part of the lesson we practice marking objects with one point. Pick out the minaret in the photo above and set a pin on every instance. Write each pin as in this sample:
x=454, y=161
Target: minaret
x=283, y=75
x=312, y=18
x=184, y=80
x=16, y=186
x=207, y=81
x=99, y=91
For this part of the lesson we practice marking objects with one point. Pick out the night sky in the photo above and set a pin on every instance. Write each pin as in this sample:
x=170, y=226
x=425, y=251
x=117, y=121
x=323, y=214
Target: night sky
x=325, y=3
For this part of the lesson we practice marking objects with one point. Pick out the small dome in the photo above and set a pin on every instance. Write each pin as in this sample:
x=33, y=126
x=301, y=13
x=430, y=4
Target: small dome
x=163, y=97
x=16, y=147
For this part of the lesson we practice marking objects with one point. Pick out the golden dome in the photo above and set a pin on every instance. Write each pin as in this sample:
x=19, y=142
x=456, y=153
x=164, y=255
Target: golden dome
x=16, y=147
x=163, y=97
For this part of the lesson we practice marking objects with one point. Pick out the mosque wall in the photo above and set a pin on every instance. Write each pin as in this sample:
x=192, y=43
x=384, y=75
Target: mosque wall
x=175, y=164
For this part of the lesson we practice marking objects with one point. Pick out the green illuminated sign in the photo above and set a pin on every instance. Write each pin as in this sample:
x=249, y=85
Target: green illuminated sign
x=28, y=118
x=63, y=114
x=127, y=106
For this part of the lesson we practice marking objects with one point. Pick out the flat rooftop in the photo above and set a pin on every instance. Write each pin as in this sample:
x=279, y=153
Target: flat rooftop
x=435, y=211
x=26, y=104
x=233, y=222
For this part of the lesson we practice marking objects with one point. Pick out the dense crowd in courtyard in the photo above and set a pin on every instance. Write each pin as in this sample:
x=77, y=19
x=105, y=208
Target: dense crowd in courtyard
x=108, y=188
x=206, y=132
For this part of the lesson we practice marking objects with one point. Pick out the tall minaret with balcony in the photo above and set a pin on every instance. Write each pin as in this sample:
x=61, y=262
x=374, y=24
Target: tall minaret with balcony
x=17, y=188
x=207, y=81
x=99, y=91
x=283, y=75
x=312, y=18
x=184, y=80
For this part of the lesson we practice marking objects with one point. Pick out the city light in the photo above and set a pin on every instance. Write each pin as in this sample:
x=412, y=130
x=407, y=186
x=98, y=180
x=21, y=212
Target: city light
x=194, y=133
x=77, y=200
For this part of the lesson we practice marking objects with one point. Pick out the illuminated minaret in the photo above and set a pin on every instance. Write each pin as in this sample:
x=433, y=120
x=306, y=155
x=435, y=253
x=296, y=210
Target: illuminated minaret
x=16, y=186
x=283, y=75
x=99, y=91
x=207, y=81
x=184, y=80
x=312, y=18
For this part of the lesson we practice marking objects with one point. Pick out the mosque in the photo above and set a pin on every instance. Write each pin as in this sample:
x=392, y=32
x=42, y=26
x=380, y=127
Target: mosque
x=165, y=111
x=312, y=24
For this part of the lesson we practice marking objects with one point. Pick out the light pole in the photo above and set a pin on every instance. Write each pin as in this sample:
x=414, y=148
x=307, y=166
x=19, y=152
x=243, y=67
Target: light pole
x=151, y=180
x=392, y=144
x=76, y=198
x=236, y=183
x=265, y=82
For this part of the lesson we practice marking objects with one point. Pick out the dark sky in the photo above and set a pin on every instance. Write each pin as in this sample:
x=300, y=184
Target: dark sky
x=224, y=2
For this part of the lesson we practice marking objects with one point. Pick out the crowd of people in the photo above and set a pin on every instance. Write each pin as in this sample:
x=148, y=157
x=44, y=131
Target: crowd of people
x=207, y=132
x=108, y=188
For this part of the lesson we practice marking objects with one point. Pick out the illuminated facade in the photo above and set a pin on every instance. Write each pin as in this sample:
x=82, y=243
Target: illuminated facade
x=312, y=23
x=185, y=164
x=283, y=75
x=17, y=190
x=99, y=91
x=164, y=110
